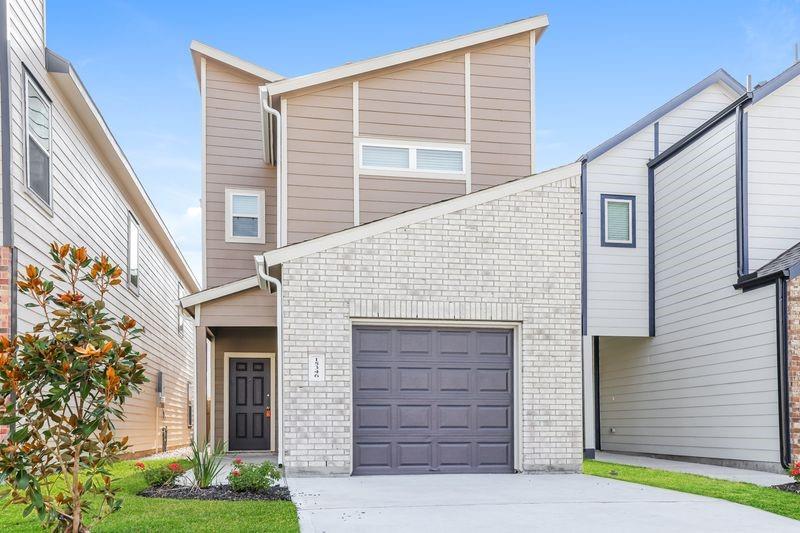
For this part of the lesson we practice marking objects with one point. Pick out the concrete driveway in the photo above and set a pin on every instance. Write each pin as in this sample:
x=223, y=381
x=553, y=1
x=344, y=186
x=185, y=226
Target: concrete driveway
x=483, y=502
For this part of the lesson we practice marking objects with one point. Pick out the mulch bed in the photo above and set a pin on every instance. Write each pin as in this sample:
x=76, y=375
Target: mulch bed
x=789, y=487
x=216, y=492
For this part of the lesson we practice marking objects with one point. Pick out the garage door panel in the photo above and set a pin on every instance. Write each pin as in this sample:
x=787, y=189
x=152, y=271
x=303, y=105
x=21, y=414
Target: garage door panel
x=439, y=401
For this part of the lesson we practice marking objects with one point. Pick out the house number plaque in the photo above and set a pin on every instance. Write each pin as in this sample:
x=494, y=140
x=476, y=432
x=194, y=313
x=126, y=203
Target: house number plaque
x=316, y=368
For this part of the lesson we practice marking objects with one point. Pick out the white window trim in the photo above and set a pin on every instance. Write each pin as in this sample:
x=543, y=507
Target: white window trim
x=134, y=288
x=30, y=80
x=412, y=172
x=629, y=240
x=229, y=236
x=181, y=315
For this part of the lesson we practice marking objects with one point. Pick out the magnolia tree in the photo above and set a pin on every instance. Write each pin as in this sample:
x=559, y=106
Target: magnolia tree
x=68, y=380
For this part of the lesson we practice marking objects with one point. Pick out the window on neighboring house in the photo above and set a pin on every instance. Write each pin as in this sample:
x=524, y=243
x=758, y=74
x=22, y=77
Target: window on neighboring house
x=181, y=315
x=133, y=253
x=244, y=216
x=38, y=140
x=400, y=158
x=618, y=220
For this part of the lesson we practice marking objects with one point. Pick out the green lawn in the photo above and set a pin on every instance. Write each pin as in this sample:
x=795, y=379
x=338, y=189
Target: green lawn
x=140, y=514
x=765, y=498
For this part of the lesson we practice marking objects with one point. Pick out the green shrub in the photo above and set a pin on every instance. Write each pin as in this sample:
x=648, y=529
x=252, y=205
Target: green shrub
x=206, y=463
x=253, y=478
x=163, y=475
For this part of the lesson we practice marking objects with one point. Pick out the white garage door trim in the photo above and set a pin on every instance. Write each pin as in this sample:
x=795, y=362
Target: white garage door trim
x=516, y=372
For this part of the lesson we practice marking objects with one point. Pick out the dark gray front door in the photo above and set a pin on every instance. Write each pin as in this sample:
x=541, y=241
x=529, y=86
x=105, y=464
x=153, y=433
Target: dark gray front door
x=432, y=400
x=248, y=404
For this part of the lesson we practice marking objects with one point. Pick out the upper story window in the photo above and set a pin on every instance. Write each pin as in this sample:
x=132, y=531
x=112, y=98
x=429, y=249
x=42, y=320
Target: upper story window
x=38, y=140
x=244, y=216
x=181, y=315
x=618, y=220
x=414, y=160
x=133, y=253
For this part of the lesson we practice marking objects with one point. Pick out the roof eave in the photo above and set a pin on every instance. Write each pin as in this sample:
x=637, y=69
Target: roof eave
x=537, y=23
x=199, y=49
x=76, y=94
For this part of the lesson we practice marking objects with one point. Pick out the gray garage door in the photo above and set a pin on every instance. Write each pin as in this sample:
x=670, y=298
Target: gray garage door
x=432, y=400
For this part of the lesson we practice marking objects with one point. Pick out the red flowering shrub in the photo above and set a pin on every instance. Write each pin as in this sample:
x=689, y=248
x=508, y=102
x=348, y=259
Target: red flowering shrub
x=175, y=468
x=139, y=465
x=254, y=478
x=236, y=473
x=238, y=461
x=795, y=471
x=162, y=475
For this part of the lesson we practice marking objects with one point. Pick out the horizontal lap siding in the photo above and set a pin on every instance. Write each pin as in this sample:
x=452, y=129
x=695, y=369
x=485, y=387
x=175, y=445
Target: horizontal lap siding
x=234, y=159
x=90, y=209
x=320, y=162
x=253, y=307
x=382, y=197
x=773, y=178
x=705, y=385
x=424, y=102
x=501, y=112
x=618, y=277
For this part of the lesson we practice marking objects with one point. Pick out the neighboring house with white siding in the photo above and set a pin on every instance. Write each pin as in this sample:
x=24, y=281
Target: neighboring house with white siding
x=705, y=362
x=65, y=179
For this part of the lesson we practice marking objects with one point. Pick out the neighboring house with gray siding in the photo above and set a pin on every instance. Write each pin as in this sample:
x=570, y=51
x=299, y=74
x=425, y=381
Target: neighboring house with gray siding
x=65, y=179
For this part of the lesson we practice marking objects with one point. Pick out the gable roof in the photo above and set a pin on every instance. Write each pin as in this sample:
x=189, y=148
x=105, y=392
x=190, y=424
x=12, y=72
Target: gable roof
x=539, y=22
x=778, y=81
x=67, y=80
x=201, y=49
x=718, y=76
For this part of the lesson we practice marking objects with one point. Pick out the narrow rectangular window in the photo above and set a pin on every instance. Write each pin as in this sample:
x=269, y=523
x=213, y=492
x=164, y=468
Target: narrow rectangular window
x=244, y=216
x=190, y=410
x=405, y=158
x=38, y=141
x=133, y=253
x=618, y=220
x=181, y=315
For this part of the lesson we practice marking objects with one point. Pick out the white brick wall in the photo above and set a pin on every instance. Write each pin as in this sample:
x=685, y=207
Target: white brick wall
x=513, y=259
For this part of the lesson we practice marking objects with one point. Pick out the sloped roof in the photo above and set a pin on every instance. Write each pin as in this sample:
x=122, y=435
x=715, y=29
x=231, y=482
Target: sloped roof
x=201, y=49
x=718, y=76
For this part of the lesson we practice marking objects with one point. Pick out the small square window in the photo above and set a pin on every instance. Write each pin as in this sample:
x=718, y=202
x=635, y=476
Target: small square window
x=244, y=216
x=618, y=220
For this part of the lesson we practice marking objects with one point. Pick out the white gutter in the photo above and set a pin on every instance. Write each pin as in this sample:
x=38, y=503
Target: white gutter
x=264, y=282
x=277, y=158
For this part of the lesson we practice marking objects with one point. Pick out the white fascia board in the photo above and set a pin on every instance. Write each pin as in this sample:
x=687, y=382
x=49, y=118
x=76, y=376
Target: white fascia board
x=235, y=62
x=412, y=54
x=219, y=292
x=77, y=96
x=421, y=214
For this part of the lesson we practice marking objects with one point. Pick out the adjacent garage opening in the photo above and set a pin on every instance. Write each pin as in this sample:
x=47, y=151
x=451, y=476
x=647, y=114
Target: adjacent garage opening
x=432, y=400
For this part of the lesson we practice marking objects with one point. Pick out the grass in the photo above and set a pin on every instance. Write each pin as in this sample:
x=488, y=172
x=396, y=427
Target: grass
x=139, y=514
x=764, y=498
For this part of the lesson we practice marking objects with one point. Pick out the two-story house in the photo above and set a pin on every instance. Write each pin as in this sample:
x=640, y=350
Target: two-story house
x=691, y=300
x=417, y=303
x=65, y=179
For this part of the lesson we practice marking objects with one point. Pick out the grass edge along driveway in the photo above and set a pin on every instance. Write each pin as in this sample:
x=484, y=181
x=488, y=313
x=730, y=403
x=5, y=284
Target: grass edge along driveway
x=139, y=514
x=764, y=498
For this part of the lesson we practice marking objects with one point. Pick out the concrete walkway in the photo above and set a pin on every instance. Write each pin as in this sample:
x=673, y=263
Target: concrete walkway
x=764, y=479
x=509, y=503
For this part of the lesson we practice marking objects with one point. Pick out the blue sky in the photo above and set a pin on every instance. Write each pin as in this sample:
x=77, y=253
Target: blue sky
x=600, y=65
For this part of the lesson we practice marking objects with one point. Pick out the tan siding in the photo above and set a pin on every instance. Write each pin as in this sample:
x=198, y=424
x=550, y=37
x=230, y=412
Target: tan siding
x=252, y=307
x=501, y=112
x=425, y=101
x=81, y=178
x=234, y=159
x=241, y=339
x=382, y=197
x=320, y=163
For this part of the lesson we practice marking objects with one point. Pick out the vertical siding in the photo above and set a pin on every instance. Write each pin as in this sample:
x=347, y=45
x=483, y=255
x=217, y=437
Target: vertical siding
x=320, y=162
x=234, y=159
x=706, y=384
x=501, y=111
x=618, y=277
x=773, y=179
x=98, y=221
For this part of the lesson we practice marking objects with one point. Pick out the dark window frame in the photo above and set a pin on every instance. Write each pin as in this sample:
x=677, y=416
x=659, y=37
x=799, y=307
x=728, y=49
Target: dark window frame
x=624, y=197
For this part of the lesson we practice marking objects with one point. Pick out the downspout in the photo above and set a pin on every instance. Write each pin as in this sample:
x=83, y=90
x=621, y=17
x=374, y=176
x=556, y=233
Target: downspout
x=784, y=416
x=277, y=159
x=265, y=281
